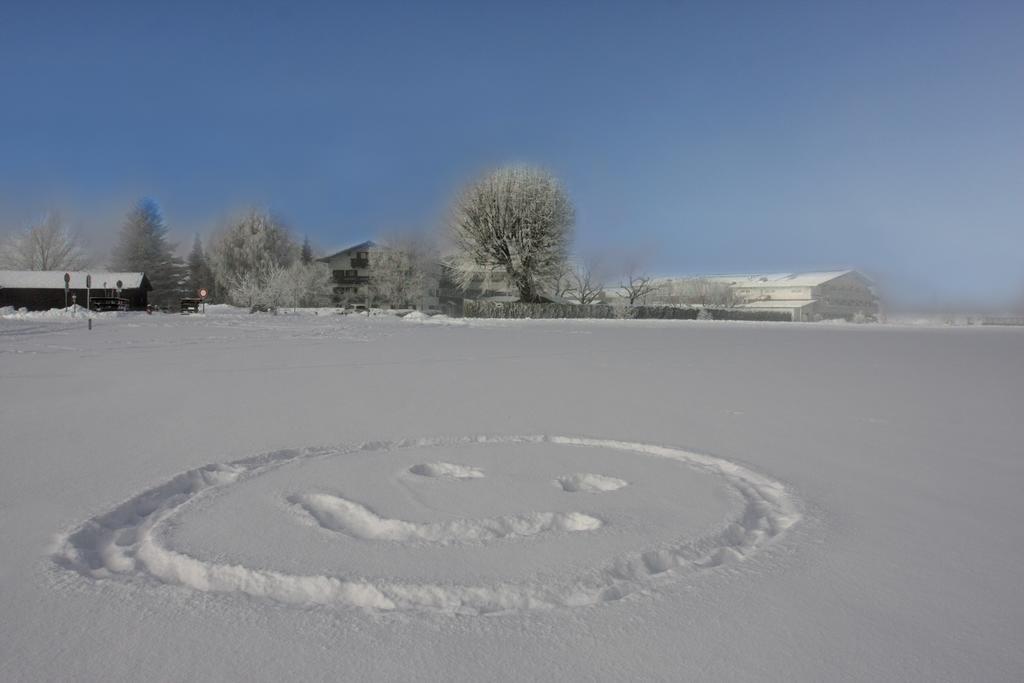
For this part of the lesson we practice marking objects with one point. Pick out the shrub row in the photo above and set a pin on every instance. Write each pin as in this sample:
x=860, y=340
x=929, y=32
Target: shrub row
x=489, y=309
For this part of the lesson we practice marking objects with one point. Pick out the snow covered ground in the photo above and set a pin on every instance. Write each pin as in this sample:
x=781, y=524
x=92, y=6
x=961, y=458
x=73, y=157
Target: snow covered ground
x=320, y=497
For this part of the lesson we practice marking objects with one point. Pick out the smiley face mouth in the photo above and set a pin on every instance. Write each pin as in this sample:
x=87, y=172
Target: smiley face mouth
x=339, y=514
x=127, y=544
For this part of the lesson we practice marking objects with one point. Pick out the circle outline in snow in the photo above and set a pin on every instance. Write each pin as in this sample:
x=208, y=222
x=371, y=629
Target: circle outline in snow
x=122, y=544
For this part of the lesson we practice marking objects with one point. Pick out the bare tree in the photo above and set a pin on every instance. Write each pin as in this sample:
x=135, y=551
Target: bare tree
x=637, y=286
x=703, y=292
x=517, y=219
x=45, y=245
x=561, y=280
x=587, y=285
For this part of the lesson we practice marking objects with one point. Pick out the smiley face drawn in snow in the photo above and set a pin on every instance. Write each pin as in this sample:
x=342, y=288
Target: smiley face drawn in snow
x=131, y=542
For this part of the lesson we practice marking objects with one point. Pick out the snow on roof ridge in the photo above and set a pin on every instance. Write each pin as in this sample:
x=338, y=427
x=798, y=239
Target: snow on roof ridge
x=54, y=279
x=362, y=245
x=805, y=278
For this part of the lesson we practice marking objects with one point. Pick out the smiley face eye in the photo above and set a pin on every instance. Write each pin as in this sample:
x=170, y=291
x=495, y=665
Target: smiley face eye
x=590, y=483
x=446, y=470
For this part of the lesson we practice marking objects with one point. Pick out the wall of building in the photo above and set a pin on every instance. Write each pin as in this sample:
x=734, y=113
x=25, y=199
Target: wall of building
x=45, y=299
x=845, y=297
x=351, y=272
x=772, y=292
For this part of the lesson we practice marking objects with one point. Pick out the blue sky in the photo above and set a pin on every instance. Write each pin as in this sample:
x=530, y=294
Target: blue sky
x=699, y=137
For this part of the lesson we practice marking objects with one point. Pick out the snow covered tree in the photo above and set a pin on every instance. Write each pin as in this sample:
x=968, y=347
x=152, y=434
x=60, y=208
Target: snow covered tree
x=304, y=285
x=517, y=219
x=199, y=273
x=143, y=246
x=403, y=270
x=249, y=288
x=273, y=286
x=45, y=245
x=248, y=254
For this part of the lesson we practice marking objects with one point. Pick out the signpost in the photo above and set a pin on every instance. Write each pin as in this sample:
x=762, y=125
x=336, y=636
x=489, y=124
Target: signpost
x=191, y=304
x=67, y=284
x=88, y=295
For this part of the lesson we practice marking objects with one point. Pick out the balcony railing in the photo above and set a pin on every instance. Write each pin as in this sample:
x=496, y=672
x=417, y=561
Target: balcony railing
x=351, y=279
x=360, y=263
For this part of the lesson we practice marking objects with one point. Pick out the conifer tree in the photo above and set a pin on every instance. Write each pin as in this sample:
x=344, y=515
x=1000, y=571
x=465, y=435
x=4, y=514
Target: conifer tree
x=199, y=274
x=143, y=246
x=307, y=252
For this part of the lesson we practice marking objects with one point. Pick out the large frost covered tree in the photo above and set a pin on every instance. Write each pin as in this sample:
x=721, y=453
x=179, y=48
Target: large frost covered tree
x=517, y=219
x=142, y=246
x=249, y=253
x=257, y=262
x=44, y=245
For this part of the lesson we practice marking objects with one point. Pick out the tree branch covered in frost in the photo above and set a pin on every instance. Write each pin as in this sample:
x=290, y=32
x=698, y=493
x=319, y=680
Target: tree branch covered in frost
x=403, y=271
x=273, y=286
x=517, y=219
x=45, y=245
x=311, y=284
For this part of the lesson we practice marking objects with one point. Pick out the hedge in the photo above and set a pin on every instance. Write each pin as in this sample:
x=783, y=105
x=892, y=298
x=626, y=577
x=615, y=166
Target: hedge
x=490, y=309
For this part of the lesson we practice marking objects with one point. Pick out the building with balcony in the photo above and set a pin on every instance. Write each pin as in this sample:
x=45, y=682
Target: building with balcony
x=350, y=269
x=352, y=272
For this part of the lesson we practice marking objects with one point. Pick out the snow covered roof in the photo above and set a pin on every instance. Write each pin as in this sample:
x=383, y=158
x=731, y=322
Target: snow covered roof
x=54, y=279
x=812, y=279
x=362, y=246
